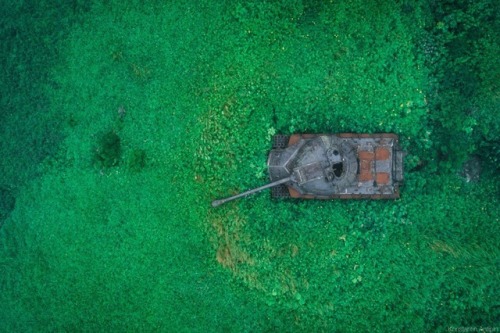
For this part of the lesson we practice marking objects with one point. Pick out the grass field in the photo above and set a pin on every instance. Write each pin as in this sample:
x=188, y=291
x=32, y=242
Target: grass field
x=121, y=121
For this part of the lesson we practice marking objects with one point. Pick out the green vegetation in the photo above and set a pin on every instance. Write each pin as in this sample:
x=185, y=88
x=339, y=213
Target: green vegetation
x=108, y=151
x=120, y=122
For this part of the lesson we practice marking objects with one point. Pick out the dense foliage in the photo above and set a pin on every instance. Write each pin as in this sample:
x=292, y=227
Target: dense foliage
x=120, y=122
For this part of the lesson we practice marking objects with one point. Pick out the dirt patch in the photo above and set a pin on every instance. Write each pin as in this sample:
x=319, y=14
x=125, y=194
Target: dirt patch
x=230, y=239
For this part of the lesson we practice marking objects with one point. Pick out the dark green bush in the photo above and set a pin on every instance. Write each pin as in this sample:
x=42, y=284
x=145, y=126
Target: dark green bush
x=108, y=151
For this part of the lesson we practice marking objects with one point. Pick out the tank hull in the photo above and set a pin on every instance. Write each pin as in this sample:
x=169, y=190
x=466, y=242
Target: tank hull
x=337, y=166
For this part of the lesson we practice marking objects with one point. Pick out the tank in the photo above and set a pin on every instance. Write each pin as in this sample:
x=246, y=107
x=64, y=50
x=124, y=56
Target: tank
x=333, y=166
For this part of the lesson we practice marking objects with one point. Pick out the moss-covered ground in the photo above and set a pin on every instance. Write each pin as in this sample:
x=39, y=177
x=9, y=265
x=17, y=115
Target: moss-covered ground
x=120, y=121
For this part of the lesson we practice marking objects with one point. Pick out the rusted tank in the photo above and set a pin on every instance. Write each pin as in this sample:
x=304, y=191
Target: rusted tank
x=333, y=166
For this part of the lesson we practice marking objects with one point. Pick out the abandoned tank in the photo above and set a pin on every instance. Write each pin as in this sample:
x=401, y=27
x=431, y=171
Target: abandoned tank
x=333, y=166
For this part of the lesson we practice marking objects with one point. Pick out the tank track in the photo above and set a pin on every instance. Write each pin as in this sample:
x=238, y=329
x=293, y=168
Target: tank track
x=280, y=191
x=280, y=141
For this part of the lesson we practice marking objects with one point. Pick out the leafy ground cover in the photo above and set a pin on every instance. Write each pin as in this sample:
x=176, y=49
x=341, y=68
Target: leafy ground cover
x=122, y=121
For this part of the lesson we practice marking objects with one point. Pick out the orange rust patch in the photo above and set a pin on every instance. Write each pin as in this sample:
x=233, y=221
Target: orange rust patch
x=382, y=153
x=293, y=192
x=364, y=177
x=365, y=169
x=382, y=178
x=347, y=135
x=294, y=139
x=366, y=155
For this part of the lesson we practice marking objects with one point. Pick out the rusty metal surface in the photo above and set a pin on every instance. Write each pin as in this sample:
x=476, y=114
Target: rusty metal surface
x=346, y=165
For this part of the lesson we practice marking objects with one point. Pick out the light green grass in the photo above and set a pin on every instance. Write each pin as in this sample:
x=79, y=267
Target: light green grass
x=121, y=122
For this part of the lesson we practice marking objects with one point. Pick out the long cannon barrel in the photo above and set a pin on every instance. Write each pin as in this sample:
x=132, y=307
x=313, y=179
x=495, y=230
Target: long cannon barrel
x=216, y=203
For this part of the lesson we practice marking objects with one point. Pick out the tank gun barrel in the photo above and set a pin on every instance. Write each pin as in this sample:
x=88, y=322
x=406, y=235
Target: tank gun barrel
x=219, y=202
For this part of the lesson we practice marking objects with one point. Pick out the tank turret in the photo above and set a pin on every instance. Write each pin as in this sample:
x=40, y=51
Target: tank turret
x=333, y=166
